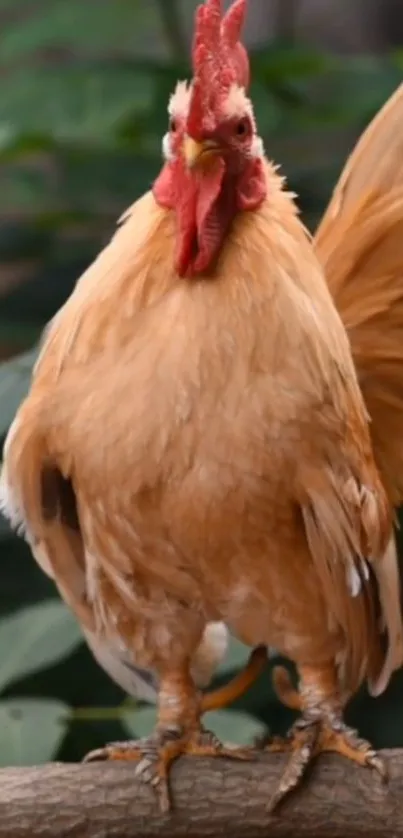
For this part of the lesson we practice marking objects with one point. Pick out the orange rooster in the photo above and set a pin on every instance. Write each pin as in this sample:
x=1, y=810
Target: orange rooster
x=195, y=446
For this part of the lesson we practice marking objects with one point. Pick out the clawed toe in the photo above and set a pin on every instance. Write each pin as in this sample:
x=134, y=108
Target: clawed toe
x=301, y=742
x=126, y=751
x=343, y=740
x=307, y=739
x=155, y=755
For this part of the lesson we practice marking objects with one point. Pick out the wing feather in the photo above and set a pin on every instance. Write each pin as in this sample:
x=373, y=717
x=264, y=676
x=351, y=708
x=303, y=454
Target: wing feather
x=360, y=245
x=44, y=509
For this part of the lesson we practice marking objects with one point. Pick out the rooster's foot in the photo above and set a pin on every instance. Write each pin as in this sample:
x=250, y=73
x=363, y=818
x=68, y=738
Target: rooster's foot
x=308, y=738
x=156, y=753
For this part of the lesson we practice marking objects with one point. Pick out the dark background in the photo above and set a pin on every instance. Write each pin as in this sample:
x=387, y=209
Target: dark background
x=84, y=86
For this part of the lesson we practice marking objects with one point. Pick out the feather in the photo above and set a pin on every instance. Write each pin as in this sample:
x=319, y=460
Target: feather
x=333, y=521
x=359, y=242
x=56, y=542
x=142, y=683
x=360, y=245
x=387, y=575
x=136, y=682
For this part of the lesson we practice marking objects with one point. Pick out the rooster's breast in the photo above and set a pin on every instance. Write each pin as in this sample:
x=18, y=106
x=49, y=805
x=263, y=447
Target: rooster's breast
x=181, y=448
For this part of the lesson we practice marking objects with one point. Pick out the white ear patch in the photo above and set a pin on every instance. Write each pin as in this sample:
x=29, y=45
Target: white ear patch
x=167, y=148
x=257, y=148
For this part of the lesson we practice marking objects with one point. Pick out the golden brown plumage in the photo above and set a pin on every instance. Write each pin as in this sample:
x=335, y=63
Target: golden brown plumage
x=195, y=445
x=360, y=245
x=359, y=242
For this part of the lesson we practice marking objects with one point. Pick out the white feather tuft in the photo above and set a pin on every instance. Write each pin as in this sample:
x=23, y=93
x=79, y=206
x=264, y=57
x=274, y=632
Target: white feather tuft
x=353, y=580
x=210, y=653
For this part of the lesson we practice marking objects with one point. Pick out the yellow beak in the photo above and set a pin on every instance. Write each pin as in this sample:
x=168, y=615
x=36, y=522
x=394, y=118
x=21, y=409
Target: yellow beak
x=193, y=150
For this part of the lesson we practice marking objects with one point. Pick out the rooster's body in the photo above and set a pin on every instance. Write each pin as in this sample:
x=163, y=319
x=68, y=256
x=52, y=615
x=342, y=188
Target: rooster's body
x=195, y=446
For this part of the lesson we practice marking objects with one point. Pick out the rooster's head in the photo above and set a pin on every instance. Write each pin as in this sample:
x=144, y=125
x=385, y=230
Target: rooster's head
x=214, y=157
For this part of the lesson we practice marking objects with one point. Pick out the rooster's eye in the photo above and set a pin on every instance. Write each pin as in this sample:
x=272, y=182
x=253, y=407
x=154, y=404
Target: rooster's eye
x=172, y=125
x=242, y=127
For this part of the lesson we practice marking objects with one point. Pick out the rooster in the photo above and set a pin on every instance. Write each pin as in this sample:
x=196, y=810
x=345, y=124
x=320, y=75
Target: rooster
x=195, y=446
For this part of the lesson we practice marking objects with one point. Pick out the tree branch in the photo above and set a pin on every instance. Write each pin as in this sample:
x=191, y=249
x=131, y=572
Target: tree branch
x=211, y=798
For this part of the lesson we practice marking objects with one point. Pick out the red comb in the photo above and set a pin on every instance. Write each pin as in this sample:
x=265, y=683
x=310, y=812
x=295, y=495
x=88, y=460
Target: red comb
x=231, y=28
x=219, y=59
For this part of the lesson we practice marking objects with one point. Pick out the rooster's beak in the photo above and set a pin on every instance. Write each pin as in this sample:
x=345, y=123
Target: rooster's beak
x=193, y=150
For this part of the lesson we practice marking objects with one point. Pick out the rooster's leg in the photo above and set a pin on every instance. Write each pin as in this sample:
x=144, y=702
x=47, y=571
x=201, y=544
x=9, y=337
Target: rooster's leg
x=320, y=729
x=178, y=731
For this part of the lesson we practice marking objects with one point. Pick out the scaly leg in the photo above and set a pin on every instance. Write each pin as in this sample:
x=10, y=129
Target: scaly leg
x=178, y=731
x=320, y=729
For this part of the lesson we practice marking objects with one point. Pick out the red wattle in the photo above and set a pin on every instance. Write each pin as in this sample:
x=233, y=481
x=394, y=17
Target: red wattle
x=205, y=202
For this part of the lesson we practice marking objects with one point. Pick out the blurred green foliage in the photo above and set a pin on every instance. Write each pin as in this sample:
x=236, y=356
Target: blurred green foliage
x=82, y=113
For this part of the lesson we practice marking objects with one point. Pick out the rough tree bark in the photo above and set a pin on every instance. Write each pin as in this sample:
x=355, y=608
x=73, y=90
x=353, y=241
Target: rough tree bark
x=212, y=800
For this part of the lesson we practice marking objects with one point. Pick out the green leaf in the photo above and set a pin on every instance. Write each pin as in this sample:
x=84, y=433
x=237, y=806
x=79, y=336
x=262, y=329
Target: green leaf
x=234, y=726
x=228, y=725
x=80, y=102
x=34, y=638
x=119, y=26
x=15, y=378
x=236, y=657
x=140, y=722
x=92, y=177
x=31, y=730
x=278, y=65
